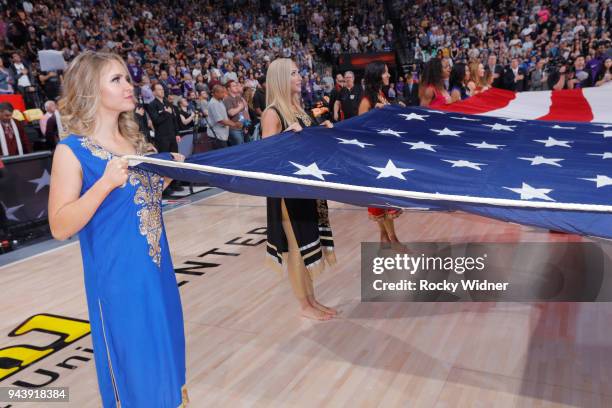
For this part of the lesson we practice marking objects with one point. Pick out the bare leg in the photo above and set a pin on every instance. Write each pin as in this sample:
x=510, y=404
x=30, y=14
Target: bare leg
x=296, y=272
x=384, y=236
x=309, y=288
x=389, y=226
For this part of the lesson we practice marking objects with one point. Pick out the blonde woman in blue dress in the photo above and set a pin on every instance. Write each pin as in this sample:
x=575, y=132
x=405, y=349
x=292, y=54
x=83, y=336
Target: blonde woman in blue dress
x=132, y=296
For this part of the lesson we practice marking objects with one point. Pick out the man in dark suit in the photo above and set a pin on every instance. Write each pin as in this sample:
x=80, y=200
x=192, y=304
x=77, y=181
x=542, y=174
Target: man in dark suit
x=164, y=121
x=497, y=70
x=166, y=125
x=514, y=78
x=411, y=91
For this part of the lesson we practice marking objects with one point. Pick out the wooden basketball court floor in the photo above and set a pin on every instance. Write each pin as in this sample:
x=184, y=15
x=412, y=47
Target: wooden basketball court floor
x=246, y=345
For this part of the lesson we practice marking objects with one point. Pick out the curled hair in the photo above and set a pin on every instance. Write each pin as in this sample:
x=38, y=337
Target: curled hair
x=80, y=99
x=278, y=90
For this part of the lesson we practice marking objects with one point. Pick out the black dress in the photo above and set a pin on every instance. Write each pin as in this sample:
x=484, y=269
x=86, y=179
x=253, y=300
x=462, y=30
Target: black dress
x=309, y=221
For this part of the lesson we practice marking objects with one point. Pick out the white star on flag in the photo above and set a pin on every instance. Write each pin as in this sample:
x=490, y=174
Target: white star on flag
x=564, y=128
x=513, y=120
x=10, y=212
x=527, y=192
x=465, y=118
x=391, y=132
x=447, y=132
x=41, y=182
x=485, y=145
x=354, y=142
x=605, y=126
x=312, y=170
x=434, y=111
x=605, y=133
x=606, y=155
x=542, y=160
x=499, y=126
x=465, y=163
x=602, y=181
x=420, y=145
x=551, y=141
x=390, y=170
x=412, y=115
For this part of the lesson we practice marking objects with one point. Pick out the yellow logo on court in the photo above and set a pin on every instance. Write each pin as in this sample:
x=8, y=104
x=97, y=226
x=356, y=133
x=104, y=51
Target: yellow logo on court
x=15, y=358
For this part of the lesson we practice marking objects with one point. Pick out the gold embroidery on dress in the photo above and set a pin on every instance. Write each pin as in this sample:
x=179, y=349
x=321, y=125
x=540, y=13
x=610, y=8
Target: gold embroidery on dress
x=148, y=196
x=96, y=150
x=305, y=118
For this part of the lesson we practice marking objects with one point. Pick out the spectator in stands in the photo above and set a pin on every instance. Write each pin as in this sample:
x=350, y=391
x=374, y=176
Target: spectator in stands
x=218, y=121
x=164, y=121
x=13, y=139
x=582, y=77
x=51, y=125
x=202, y=103
x=145, y=90
x=186, y=117
x=539, y=78
x=51, y=82
x=411, y=90
x=391, y=93
x=328, y=82
x=514, y=77
x=237, y=112
x=24, y=81
x=50, y=108
x=497, y=70
x=135, y=70
x=259, y=99
x=6, y=80
x=605, y=74
x=558, y=79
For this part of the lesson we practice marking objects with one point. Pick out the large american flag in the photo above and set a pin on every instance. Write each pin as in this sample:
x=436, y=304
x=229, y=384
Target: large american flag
x=555, y=175
x=579, y=105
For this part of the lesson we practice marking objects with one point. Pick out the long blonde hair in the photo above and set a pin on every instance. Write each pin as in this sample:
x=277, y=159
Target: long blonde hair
x=81, y=99
x=474, y=77
x=278, y=90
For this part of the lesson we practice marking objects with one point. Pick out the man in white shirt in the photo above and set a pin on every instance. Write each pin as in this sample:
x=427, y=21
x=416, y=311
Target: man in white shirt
x=218, y=121
x=23, y=79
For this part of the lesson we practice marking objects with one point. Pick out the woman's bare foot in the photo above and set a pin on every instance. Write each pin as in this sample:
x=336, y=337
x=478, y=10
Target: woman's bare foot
x=385, y=242
x=323, y=308
x=398, y=246
x=311, y=312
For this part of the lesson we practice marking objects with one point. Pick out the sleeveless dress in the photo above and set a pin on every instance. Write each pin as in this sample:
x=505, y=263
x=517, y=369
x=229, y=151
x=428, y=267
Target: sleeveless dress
x=309, y=221
x=438, y=99
x=132, y=295
x=375, y=213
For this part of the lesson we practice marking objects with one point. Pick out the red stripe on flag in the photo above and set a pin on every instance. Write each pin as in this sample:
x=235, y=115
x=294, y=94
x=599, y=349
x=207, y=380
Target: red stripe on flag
x=489, y=100
x=569, y=105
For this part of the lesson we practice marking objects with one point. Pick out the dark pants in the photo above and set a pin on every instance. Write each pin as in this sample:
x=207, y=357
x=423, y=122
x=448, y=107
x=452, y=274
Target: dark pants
x=166, y=144
x=219, y=144
x=30, y=97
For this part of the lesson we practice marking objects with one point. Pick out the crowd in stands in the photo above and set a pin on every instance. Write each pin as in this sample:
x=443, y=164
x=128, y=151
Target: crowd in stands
x=202, y=64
